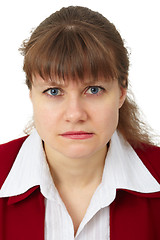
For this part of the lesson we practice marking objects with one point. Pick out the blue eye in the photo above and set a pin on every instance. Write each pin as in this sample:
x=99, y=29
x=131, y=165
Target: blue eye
x=53, y=91
x=94, y=90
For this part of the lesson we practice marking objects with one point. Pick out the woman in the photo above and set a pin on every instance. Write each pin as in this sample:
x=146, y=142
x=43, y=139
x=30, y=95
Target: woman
x=89, y=169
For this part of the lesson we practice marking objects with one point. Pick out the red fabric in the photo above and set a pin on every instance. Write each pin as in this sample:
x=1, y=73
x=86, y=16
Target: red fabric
x=133, y=216
x=23, y=220
x=21, y=217
x=8, y=153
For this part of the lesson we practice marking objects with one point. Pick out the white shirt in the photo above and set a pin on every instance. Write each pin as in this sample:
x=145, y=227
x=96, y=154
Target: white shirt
x=123, y=169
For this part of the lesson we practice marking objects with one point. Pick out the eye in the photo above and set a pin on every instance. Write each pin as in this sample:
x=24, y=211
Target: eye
x=94, y=90
x=53, y=92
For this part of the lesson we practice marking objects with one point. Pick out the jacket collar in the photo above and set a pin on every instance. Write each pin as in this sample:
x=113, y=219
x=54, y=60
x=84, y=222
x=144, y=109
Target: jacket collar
x=15, y=199
x=18, y=198
x=123, y=171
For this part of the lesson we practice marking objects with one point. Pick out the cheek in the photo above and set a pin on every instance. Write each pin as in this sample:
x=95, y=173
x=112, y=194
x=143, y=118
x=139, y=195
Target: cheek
x=107, y=117
x=44, y=115
x=110, y=116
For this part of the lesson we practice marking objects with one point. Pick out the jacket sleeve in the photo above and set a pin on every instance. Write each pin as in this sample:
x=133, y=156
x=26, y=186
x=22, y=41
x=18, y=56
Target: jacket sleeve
x=8, y=153
x=150, y=156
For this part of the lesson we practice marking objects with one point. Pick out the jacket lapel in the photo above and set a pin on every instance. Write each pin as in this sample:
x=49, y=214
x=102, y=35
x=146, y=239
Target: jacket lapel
x=135, y=216
x=24, y=216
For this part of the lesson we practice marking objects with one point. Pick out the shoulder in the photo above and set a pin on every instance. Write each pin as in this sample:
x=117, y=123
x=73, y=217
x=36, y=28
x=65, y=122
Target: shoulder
x=150, y=156
x=8, y=153
x=11, y=148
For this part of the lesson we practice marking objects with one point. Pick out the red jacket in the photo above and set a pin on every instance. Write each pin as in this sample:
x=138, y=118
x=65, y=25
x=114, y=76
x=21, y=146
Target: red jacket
x=133, y=215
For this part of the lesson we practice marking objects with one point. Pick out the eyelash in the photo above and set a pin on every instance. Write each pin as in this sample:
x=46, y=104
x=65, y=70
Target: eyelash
x=87, y=89
x=98, y=87
x=50, y=95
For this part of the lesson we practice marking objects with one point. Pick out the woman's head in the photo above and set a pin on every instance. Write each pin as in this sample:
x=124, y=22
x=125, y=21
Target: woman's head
x=76, y=43
x=79, y=45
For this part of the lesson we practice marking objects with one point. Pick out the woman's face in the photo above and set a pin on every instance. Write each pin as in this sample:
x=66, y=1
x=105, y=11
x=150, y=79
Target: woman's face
x=76, y=120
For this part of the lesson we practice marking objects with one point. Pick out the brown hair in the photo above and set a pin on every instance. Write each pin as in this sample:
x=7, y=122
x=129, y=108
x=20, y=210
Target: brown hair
x=76, y=41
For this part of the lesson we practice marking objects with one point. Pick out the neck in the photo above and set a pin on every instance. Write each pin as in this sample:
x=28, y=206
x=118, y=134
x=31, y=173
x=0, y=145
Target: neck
x=78, y=173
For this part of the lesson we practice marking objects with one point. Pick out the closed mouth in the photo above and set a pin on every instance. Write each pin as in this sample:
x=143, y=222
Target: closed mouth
x=77, y=134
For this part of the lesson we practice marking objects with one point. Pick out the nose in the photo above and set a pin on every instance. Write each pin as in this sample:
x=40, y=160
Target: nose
x=75, y=111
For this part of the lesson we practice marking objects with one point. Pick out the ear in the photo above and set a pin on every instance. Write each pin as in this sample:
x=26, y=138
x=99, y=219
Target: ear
x=123, y=94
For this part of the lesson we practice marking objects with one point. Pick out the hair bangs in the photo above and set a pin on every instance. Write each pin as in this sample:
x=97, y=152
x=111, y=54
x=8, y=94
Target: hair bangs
x=69, y=54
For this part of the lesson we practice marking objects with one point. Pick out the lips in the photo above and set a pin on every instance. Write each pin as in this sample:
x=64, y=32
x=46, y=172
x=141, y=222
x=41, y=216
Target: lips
x=79, y=135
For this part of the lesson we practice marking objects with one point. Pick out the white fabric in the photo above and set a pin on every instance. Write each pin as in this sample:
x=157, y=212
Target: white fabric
x=123, y=169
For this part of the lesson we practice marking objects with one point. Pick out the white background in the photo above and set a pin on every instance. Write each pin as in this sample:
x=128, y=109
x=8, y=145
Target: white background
x=139, y=24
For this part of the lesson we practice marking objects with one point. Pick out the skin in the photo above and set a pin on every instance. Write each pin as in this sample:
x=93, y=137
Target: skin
x=76, y=164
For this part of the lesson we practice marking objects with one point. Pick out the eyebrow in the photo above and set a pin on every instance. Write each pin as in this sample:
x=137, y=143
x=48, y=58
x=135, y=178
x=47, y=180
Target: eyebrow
x=53, y=83
x=63, y=84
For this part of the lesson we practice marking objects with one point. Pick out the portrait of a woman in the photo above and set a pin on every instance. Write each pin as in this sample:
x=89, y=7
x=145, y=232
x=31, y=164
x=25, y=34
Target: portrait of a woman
x=89, y=169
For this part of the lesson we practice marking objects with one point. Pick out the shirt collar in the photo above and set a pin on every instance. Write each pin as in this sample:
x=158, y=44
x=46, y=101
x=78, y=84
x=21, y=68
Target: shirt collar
x=126, y=170
x=29, y=169
x=123, y=169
